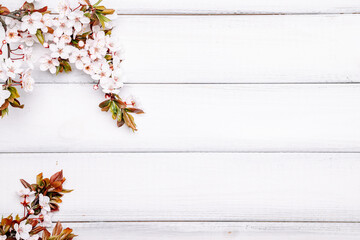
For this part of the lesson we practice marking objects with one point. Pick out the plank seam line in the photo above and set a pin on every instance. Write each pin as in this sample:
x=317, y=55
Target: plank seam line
x=208, y=83
x=216, y=221
x=234, y=13
x=187, y=152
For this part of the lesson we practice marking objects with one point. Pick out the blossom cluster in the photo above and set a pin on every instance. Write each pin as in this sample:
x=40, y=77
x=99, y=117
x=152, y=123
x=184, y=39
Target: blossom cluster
x=78, y=36
x=39, y=200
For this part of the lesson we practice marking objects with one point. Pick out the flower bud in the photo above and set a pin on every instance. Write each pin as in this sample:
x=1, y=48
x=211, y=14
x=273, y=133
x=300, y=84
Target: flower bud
x=81, y=44
x=96, y=87
x=21, y=46
x=4, y=42
x=46, y=45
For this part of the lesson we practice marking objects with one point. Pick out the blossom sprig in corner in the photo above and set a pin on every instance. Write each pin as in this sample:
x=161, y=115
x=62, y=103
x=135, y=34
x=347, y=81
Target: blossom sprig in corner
x=40, y=200
x=80, y=37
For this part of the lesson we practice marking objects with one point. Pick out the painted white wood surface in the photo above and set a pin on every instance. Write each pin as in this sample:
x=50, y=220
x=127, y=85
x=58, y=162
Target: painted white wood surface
x=66, y=118
x=219, y=7
x=236, y=49
x=217, y=231
x=194, y=186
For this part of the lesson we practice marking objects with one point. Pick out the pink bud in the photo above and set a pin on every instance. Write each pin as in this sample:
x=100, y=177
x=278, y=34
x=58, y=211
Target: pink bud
x=21, y=46
x=81, y=44
x=4, y=41
x=31, y=211
x=96, y=87
x=46, y=45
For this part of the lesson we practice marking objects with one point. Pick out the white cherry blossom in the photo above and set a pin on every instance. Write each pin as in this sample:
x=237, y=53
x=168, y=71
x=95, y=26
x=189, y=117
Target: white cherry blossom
x=80, y=58
x=31, y=22
x=22, y=230
x=64, y=26
x=3, y=75
x=118, y=76
x=12, y=35
x=46, y=21
x=103, y=73
x=3, y=237
x=47, y=218
x=89, y=69
x=48, y=63
x=110, y=86
x=78, y=18
x=44, y=202
x=25, y=192
x=12, y=68
x=27, y=81
x=64, y=8
x=60, y=50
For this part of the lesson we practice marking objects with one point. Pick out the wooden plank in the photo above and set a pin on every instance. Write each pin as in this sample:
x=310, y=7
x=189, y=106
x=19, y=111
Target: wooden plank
x=217, y=231
x=66, y=118
x=236, y=49
x=220, y=7
x=194, y=187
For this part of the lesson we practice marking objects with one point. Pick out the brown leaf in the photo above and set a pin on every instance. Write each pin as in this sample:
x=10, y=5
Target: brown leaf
x=25, y=183
x=57, y=177
x=129, y=120
x=120, y=123
x=46, y=235
x=4, y=10
x=5, y=105
x=135, y=110
x=57, y=229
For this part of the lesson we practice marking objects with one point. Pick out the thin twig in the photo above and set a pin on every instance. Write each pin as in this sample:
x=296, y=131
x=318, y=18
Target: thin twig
x=5, y=29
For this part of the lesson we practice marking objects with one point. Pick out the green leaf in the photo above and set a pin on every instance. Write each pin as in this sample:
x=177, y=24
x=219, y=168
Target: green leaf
x=14, y=92
x=97, y=3
x=102, y=19
x=40, y=36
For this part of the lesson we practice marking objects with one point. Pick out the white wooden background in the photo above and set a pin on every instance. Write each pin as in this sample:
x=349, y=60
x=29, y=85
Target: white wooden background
x=252, y=128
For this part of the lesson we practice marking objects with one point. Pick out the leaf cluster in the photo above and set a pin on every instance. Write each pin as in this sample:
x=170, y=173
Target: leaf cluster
x=120, y=111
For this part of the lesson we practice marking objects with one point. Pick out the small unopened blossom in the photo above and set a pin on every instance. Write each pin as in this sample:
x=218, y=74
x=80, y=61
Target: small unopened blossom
x=77, y=18
x=49, y=63
x=44, y=202
x=31, y=22
x=22, y=230
x=27, y=81
x=12, y=35
x=4, y=94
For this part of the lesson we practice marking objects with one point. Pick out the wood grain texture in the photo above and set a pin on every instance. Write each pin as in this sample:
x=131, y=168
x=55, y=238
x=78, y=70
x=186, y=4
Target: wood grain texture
x=235, y=49
x=217, y=231
x=194, y=187
x=219, y=7
x=66, y=118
